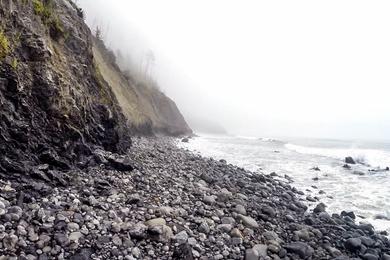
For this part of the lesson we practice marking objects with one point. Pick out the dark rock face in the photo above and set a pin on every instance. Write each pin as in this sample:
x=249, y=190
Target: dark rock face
x=53, y=107
x=349, y=160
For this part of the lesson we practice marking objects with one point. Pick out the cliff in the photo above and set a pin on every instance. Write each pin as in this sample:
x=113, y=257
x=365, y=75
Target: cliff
x=59, y=100
x=145, y=107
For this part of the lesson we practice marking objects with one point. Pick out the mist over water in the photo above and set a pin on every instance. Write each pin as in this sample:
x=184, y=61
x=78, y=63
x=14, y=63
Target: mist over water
x=289, y=68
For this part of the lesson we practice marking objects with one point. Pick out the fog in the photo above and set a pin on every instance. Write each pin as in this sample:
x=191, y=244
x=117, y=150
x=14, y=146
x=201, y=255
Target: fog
x=263, y=68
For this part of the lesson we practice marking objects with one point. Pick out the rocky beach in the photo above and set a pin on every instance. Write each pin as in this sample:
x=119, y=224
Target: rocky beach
x=163, y=202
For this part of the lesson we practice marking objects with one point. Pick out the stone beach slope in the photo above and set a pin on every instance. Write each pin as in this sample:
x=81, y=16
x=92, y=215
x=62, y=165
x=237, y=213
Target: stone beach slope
x=173, y=205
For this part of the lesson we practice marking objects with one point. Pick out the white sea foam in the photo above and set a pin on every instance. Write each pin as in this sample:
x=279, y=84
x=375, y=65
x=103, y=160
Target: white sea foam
x=372, y=157
x=366, y=195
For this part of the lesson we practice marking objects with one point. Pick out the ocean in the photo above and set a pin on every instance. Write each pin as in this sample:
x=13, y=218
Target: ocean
x=359, y=189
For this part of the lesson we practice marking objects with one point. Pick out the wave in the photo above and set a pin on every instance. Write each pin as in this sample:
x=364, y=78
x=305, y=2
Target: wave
x=372, y=157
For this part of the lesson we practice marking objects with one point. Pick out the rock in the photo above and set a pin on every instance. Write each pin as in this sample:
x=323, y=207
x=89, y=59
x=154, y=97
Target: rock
x=248, y=221
x=162, y=233
x=315, y=168
x=82, y=254
x=73, y=227
x=75, y=236
x=183, y=251
x=269, y=211
x=204, y=228
x=155, y=222
x=360, y=173
x=367, y=241
x=225, y=228
x=181, y=237
x=10, y=241
x=261, y=249
x=228, y=220
x=62, y=239
x=369, y=256
x=209, y=200
x=348, y=213
x=353, y=244
x=133, y=199
x=120, y=164
x=386, y=257
x=236, y=233
x=240, y=209
x=319, y=208
x=137, y=231
x=224, y=195
x=15, y=212
x=136, y=252
x=251, y=254
x=185, y=140
x=350, y=160
x=116, y=240
x=301, y=249
x=346, y=166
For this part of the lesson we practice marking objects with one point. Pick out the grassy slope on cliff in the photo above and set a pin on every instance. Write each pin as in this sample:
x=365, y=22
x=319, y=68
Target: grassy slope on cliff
x=146, y=108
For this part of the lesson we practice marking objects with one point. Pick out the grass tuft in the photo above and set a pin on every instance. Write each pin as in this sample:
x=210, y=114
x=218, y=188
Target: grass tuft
x=4, y=45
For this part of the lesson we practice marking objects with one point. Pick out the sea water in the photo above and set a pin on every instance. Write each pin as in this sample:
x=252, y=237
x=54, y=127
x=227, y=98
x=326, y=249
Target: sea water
x=359, y=189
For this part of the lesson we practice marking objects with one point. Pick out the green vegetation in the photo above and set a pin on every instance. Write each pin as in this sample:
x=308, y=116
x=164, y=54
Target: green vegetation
x=45, y=10
x=14, y=63
x=4, y=45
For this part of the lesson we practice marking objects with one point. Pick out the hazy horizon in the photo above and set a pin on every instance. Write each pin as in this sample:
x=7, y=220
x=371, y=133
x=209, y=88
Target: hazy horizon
x=299, y=69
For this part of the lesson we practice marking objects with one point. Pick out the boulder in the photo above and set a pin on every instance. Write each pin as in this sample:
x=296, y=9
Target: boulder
x=350, y=160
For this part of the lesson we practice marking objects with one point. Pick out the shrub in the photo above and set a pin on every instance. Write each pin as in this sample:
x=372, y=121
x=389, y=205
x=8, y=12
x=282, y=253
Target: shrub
x=4, y=45
x=43, y=10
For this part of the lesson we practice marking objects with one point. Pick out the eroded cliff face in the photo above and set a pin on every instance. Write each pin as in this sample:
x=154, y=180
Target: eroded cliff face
x=147, y=109
x=55, y=107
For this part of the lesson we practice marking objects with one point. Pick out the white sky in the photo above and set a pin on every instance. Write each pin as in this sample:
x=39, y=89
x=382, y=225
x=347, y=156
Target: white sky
x=264, y=68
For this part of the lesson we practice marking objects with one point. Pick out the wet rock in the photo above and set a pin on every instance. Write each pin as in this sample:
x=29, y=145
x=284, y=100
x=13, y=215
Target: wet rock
x=350, y=160
x=353, y=244
x=301, y=249
x=120, y=164
x=319, y=208
x=369, y=256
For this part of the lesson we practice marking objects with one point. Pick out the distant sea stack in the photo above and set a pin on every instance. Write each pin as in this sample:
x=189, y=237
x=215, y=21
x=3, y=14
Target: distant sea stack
x=59, y=96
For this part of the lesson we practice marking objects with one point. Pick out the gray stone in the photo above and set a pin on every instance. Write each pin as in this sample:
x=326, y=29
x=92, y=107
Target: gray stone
x=251, y=254
x=181, y=237
x=248, y=221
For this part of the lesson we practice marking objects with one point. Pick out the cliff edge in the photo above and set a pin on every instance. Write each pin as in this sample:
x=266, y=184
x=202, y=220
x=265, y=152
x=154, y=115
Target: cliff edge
x=57, y=101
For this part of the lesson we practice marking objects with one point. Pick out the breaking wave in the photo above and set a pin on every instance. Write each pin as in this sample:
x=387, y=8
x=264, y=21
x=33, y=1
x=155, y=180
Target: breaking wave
x=371, y=157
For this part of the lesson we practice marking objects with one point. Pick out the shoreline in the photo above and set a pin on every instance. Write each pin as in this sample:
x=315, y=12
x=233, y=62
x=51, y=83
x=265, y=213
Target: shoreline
x=175, y=205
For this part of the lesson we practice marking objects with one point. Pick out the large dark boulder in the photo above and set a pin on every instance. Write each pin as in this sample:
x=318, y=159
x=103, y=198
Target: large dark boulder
x=350, y=160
